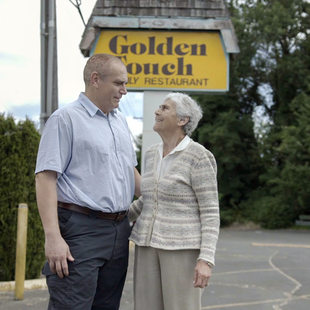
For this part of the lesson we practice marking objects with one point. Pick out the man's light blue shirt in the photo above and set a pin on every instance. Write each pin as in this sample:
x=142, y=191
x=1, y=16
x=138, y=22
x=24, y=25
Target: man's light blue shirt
x=92, y=154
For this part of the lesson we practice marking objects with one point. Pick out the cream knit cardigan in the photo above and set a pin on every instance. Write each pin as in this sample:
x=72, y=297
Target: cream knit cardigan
x=181, y=211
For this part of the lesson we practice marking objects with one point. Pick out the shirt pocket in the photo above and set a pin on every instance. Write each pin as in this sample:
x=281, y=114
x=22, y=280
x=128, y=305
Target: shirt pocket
x=91, y=155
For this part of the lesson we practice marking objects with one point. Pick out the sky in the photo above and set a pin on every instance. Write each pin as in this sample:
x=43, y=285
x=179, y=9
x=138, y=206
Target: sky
x=20, y=60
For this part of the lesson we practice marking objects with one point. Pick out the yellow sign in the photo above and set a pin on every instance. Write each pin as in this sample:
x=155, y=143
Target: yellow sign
x=192, y=61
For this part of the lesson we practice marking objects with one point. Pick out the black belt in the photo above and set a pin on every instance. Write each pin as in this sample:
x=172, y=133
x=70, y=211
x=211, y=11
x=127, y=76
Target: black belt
x=118, y=216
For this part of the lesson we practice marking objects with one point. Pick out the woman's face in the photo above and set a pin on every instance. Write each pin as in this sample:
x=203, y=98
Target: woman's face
x=166, y=119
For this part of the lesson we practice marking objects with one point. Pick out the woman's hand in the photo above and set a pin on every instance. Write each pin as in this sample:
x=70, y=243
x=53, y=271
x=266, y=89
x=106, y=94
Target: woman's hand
x=202, y=274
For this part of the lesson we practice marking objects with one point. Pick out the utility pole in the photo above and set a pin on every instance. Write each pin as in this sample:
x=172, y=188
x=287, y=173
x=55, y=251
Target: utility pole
x=49, y=80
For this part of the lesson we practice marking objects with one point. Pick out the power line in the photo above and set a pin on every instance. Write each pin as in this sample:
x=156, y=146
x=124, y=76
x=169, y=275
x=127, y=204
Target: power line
x=77, y=5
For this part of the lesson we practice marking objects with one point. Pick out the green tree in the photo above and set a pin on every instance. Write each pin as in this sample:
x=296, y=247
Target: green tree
x=18, y=149
x=286, y=182
x=227, y=128
x=282, y=65
x=259, y=168
x=228, y=133
x=295, y=150
x=281, y=30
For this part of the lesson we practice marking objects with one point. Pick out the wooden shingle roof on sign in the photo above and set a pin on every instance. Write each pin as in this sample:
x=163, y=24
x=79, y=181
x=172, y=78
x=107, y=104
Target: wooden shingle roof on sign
x=174, y=8
x=160, y=14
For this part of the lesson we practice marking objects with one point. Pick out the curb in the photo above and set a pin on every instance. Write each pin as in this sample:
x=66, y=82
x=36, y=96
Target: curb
x=29, y=285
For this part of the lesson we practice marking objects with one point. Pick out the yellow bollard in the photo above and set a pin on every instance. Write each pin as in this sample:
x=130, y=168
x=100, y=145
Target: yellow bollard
x=21, y=246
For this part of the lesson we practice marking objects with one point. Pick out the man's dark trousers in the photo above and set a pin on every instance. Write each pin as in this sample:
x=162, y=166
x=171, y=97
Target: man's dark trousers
x=97, y=275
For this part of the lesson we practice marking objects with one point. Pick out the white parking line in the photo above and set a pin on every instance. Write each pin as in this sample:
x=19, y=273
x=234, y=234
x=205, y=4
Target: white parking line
x=297, y=284
x=283, y=245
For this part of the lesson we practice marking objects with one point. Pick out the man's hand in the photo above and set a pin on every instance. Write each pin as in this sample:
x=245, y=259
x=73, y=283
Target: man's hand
x=56, y=249
x=137, y=183
x=57, y=253
x=202, y=274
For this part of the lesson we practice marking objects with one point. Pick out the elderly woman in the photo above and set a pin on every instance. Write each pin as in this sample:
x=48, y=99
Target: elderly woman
x=177, y=216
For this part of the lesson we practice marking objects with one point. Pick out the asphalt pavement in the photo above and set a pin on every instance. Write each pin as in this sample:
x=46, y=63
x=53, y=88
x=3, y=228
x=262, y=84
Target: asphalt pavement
x=255, y=270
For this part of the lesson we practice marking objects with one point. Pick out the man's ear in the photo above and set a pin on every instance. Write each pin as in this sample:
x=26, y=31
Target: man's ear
x=94, y=78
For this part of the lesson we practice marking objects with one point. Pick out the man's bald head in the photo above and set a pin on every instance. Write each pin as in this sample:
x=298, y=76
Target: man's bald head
x=99, y=63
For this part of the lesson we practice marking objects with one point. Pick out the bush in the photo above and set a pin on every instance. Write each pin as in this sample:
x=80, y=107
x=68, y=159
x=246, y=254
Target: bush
x=275, y=215
x=227, y=217
x=18, y=148
x=270, y=212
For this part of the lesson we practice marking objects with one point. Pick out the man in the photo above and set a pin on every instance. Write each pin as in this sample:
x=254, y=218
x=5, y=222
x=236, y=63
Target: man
x=85, y=181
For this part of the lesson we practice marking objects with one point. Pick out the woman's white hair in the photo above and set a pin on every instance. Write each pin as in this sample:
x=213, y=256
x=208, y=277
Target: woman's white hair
x=186, y=107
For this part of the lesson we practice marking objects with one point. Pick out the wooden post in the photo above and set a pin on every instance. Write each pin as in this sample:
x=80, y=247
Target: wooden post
x=21, y=246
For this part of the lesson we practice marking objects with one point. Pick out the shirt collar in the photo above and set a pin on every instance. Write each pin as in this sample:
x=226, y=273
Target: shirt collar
x=180, y=147
x=90, y=107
